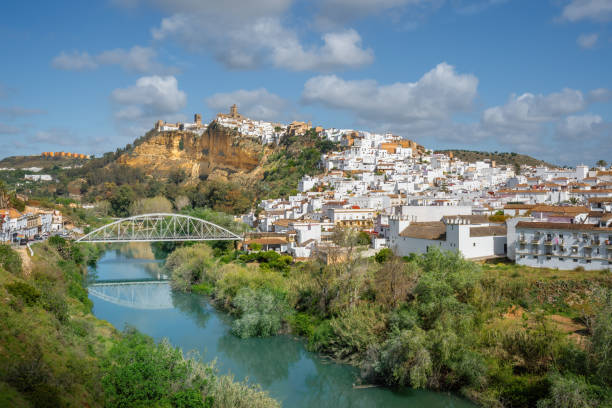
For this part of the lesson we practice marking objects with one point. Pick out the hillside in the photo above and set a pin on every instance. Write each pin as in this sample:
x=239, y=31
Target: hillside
x=21, y=162
x=499, y=157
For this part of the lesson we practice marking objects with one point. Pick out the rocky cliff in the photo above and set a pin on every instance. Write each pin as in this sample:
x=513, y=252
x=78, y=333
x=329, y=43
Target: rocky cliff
x=218, y=153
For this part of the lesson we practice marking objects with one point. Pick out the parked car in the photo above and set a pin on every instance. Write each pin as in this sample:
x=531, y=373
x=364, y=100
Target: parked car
x=23, y=241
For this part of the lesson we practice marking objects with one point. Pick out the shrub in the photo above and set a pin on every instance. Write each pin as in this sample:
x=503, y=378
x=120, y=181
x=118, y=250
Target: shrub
x=354, y=330
x=10, y=260
x=26, y=293
x=138, y=372
x=568, y=391
x=261, y=313
x=383, y=255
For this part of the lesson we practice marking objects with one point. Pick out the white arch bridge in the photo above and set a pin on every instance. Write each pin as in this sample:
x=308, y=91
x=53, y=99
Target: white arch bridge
x=159, y=227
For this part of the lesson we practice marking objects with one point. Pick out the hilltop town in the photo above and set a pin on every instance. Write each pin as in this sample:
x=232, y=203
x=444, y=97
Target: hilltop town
x=397, y=193
x=408, y=198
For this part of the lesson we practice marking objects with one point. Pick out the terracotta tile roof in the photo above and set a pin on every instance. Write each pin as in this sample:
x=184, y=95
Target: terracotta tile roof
x=425, y=230
x=267, y=241
x=600, y=200
x=597, y=191
x=283, y=222
x=560, y=209
x=492, y=231
x=560, y=226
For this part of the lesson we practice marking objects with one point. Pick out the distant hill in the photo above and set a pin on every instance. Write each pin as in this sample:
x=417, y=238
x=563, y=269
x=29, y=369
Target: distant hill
x=21, y=162
x=499, y=157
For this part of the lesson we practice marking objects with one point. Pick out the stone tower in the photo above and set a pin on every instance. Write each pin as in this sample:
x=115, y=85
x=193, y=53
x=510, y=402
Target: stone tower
x=197, y=118
x=233, y=111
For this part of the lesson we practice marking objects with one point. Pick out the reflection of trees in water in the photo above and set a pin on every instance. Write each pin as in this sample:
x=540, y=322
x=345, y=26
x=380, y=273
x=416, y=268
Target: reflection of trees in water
x=136, y=250
x=268, y=358
x=193, y=306
x=332, y=385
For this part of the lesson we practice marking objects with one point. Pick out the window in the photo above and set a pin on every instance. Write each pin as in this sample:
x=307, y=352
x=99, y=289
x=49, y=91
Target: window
x=575, y=260
x=560, y=236
x=548, y=258
x=561, y=259
x=474, y=244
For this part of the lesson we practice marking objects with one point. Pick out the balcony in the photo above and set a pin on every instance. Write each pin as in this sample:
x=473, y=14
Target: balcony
x=535, y=241
x=548, y=242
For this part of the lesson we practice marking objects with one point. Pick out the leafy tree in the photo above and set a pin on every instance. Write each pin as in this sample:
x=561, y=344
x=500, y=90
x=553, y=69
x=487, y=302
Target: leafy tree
x=121, y=200
x=394, y=280
x=157, y=204
x=601, y=163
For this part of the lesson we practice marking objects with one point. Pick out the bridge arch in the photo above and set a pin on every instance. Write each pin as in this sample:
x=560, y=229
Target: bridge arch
x=159, y=227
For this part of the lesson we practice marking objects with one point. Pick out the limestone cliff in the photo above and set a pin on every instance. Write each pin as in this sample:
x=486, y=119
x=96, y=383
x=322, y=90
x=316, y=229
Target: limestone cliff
x=219, y=153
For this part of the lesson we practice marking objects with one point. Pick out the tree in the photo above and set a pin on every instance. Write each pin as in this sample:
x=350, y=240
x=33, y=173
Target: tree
x=157, y=204
x=181, y=202
x=120, y=201
x=601, y=163
x=394, y=280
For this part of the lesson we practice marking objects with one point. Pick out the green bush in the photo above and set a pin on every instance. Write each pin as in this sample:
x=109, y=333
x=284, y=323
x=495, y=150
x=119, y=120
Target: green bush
x=139, y=373
x=26, y=293
x=10, y=260
x=262, y=312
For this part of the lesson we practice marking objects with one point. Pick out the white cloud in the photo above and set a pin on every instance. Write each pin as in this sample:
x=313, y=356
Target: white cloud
x=151, y=97
x=136, y=59
x=528, y=109
x=436, y=96
x=239, y=8
x=598, y=10
x=243, y=44
x=587, y=40
x=579, y=127
x=256, y=104
x=76, y=61
x=600, y=95
x=339, y=50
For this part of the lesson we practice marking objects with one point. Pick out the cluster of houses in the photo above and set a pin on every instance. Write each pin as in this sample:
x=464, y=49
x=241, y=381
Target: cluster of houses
x=410, y=199
x=33, y=222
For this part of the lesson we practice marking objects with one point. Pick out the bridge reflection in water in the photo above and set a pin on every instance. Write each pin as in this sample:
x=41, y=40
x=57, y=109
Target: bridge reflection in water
x=136, y=294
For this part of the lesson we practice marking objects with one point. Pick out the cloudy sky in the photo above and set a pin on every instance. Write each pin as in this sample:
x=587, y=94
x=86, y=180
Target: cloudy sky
x=528, y=76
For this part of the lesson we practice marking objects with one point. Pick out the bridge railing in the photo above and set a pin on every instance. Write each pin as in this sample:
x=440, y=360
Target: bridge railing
x=159, y=227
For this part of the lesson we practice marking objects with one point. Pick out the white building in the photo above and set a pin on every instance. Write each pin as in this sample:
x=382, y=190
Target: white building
x=563, y=245
x=472, y=235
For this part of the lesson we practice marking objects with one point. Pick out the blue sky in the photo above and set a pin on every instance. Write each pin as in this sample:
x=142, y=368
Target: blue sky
x=506, y=75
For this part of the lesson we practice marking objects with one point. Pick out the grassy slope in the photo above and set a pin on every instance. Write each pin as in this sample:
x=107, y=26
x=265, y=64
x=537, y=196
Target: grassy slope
x=53, y=356
x=69, y=351
x=498, y=157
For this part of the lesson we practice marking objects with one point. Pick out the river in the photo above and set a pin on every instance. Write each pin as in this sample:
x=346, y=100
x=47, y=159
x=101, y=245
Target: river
x=281, y=364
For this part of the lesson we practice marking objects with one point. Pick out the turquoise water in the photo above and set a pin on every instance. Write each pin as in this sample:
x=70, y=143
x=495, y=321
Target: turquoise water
x=281, y=364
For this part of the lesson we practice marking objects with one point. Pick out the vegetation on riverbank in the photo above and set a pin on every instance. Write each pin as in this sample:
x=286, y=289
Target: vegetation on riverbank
x=498, y=334
x=55, y=353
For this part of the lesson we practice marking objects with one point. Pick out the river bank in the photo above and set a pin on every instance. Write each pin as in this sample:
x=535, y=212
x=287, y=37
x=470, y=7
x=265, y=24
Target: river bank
x=498, y=335
x=55, y=353
x=281, y=364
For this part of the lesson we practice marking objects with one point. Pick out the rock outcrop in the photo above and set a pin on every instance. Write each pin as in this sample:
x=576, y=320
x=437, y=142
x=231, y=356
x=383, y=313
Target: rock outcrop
x=219, y=152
